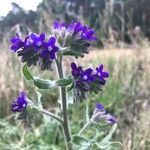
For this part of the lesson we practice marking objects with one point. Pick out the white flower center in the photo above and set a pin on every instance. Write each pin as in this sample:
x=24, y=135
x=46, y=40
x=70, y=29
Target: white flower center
x=39, y=43
x=24, y=105
x=49, y=48
x=84, y=34
x=85, y=77
x=99, y=73
x=15, y=107
x=29, y=41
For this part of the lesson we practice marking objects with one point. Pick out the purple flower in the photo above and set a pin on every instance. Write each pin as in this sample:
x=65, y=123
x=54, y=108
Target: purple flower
x=36, y=49
x=79, y=73
x=82, y=77
x=101, y=114
x=37, y=41
x=87, y=81
x=88, y=34
x=20, y=103
x=86, y=75
x=75, y=27
x=60, y=30
x=110, y=119
x=17, y=43
x=100, y=107
x=75, y=36
x=58, y=25
x=76, y=71
x=78, y=27
x=50, y=50
x=101, y=75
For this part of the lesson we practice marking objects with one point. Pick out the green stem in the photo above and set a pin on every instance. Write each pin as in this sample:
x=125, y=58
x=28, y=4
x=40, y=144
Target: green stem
x=63, y=98
x=84, y=127
x=87, y=111
x=88, y=122
x=51, y=115
x=43, y=111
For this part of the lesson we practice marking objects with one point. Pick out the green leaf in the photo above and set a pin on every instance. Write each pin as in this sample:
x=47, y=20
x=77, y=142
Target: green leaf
x=38, y=82
x=79, y=140
x=26, y=73
x=73, y=53
x=44, y=84
x=64, y=82
x=70, y=88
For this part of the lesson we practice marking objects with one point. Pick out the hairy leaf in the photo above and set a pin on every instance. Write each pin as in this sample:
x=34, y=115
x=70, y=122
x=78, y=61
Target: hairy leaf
x=26, y=73
x=64, y=82
x=44, y=84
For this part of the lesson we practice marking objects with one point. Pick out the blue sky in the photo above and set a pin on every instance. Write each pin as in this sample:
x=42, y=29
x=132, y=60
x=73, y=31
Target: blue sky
x=5, y=5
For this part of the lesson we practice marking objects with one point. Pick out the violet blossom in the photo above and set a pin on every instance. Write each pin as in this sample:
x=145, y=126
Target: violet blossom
x=87, y=81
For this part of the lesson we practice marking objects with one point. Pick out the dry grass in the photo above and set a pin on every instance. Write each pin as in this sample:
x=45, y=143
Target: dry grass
x=105, y=54
x=11, y=79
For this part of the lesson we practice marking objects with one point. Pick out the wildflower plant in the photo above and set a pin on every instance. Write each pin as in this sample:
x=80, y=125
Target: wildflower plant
x=42, y=51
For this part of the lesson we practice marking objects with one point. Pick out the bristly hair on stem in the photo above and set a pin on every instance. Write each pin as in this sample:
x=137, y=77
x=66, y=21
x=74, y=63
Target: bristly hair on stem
x=63, y=98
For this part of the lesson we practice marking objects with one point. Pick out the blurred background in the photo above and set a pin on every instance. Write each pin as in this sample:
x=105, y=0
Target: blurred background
x=123, y=31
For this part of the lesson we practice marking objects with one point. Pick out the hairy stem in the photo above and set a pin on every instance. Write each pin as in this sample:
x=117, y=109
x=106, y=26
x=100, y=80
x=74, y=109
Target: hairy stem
x=84, y=127
x=43, y=111
x=52, y=115
x=63, y=98
x=87, y=111
x=88, y=121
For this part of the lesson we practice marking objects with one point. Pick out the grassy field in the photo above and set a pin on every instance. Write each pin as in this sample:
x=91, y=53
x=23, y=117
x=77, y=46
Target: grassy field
x=127, y=95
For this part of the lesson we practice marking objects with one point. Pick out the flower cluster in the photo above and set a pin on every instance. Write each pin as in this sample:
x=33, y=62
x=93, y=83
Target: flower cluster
x=87, y=81
x=20, y=103
x=100, y=114
x=36, y=49
x=75, y=36
x=73, y=39
x=75, y=28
